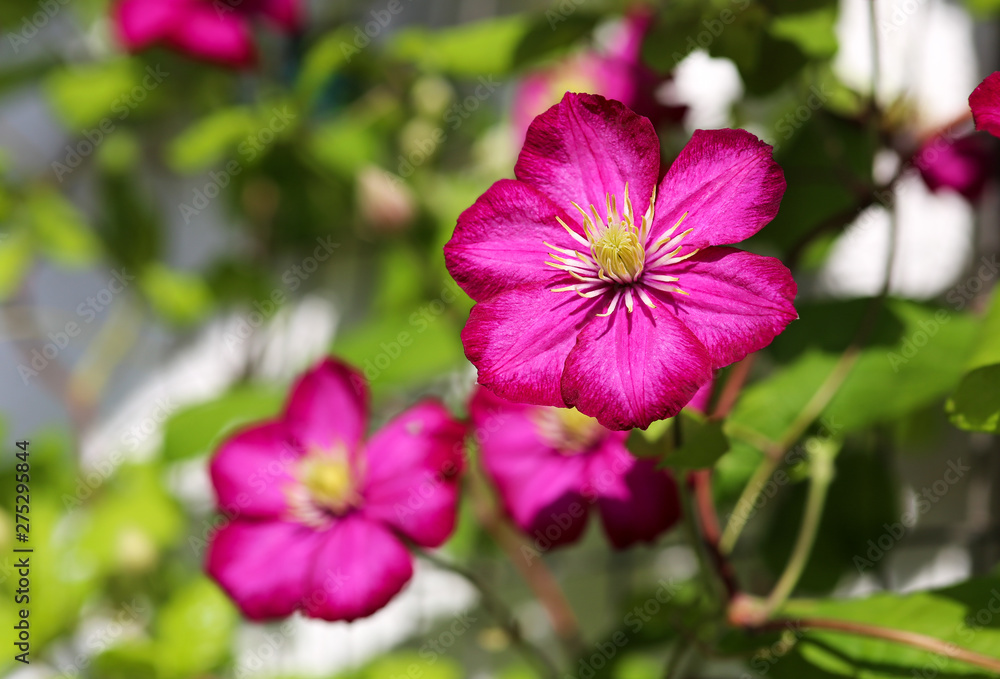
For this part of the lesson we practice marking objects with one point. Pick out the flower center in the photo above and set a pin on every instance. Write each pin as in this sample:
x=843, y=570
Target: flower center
x=326, y=485
x=620, y=257
x=567, y=429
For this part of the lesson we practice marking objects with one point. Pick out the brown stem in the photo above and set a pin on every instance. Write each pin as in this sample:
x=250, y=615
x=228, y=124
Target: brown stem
x=898, y=636
x=535, y=573
x=734, y=385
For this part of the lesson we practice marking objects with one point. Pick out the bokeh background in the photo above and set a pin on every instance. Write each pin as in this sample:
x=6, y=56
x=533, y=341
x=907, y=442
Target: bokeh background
x=179, y=239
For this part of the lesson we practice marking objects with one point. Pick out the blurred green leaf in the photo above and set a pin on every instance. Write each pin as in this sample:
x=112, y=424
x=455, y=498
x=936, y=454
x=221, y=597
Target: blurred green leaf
x=407, y=664
x=59, y=229
x=975, y=405
x=546, y=38
x=197, y=430
x=949, y=615
x=702, y=446
x=15, y=258
x=322, y=61
x=83, y=95
x=485, y=48
x=179, y=297
x=813, y=32
x=194, y=630
x=211, y=139
x=129, y=660
x=345, y=145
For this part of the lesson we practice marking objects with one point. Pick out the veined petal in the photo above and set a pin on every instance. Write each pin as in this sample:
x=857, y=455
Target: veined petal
x=263, y=565
x=519, y=341
x=727, y=182
x=359, y=567
x=586, y=147
x=737, y=302
x=252, y=470
x=412, y=471
x=985, y=104
x=500, y=242
x=629, y=369
x=328, y=405
x=206, y=33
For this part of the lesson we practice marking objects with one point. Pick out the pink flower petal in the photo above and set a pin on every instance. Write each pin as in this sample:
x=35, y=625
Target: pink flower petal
x=737, y=302
x=263, y=565
x=413, y=468
x=985, y=104
x=519, y=341
x=648, y=506
x=222, y=37
x=539, y=486
x=328, y=405
x=252, y=470
x=629, y=369
x=285, y=14
x=357, y=569
x=142, y=22
x=499, y=242
x=586, y=147
x=963, y=165
x=728, y=184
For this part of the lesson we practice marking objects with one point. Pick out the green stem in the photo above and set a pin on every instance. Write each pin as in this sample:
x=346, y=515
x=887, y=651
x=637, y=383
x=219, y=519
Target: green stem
x=821, y=462
x=500, y=612
x=678, y=662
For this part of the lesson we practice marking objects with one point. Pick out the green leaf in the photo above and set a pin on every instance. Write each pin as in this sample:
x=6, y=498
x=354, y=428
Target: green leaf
x=483, y=48
x=15, y=258
x=194, y=630
x=345, y=145
x=179, y=297
x=813, y=32
x=197, y=430
x=975, y=406
x=211, y=139
x=84, y=95
x=546, y=38
x=59, y=229
x=409, y=664
x=702, y=446
x=961, y=615
x=322, y=62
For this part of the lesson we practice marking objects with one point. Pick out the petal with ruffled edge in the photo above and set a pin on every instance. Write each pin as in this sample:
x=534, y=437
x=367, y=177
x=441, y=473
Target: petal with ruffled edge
x=629, y=369
x=252, y=470
x=328, y=405
x=737, y=301
x=220, y=37
x=499, y=242
x=985, y=104
x=412, y=471
x=263, y=565
x=359, y=567
x=728, y=184
x=586, y=147
x=519, y=341
x=143, y=22
x=538, y=485
x=640, y=504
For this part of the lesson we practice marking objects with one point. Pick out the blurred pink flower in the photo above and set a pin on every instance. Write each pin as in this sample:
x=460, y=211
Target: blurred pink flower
x=550, y=464
x=616, y=73
x=623, y=316
x=214, y=30
x=985, y=104
x=962, y=165
x=316, y=515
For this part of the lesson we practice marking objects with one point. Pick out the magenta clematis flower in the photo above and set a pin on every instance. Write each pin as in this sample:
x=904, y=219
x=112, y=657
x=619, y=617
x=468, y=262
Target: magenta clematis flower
x=598, y=289
x=214, y=30
x=985, y=104
x=316, y=515
x=551, y=464
x=962, y=165
x=617, y=73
